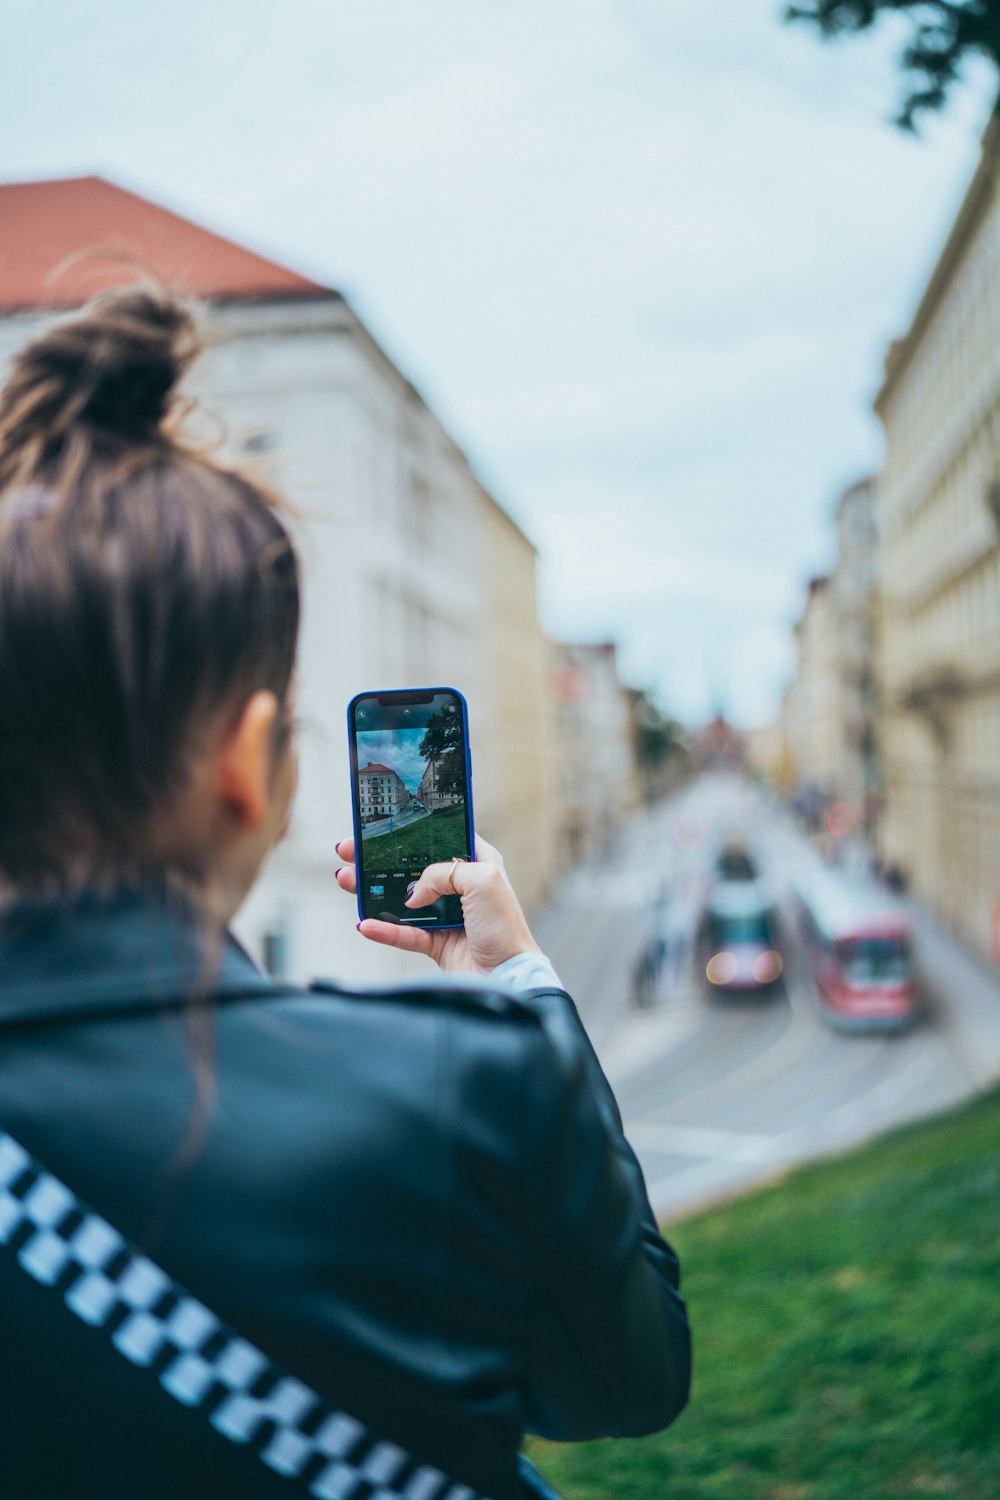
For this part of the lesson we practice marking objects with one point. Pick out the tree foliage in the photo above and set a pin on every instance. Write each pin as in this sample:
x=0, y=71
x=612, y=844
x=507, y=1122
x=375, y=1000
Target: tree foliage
x=659, y=740
x=944, y=33
x=442, y=742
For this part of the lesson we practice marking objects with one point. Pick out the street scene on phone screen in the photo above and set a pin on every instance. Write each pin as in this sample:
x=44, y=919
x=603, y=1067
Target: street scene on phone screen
x=411, y=792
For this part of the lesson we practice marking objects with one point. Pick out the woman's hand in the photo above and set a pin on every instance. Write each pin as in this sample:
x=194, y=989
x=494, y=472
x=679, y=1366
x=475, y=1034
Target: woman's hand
x=495, y=926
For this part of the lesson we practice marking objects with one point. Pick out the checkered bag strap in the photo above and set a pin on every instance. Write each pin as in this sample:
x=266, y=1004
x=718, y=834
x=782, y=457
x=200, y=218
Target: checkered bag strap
x=199, y=1361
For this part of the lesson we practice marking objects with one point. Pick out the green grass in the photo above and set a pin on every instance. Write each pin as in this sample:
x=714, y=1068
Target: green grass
x=847, y=1335
x=441, y=836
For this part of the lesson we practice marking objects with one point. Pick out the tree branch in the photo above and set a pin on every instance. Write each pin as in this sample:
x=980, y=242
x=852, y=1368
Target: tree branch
x=944, y=33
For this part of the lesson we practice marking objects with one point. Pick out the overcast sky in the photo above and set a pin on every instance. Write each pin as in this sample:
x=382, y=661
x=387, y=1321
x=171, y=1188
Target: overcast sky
x=642, y=256
x=399, y=749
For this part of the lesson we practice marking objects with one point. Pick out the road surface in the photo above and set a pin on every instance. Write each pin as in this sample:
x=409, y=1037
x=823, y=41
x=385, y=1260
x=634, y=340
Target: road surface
x=719, y=1093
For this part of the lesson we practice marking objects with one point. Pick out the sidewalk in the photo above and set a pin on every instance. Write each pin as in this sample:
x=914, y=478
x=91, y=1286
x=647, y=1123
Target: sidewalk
x=965, y=991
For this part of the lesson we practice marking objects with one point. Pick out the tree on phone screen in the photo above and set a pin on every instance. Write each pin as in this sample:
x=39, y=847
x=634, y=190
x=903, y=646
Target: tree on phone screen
x=442, y=743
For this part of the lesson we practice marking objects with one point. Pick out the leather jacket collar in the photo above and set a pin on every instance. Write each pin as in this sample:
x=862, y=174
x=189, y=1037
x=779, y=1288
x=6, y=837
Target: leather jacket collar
x=92, y=952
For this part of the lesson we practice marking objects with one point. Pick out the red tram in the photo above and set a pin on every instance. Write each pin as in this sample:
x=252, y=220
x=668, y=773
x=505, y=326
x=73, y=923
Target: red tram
x=860, y=945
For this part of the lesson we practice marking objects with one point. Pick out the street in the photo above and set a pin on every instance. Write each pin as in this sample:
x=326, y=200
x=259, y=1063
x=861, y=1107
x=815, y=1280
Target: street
x=720, y=1092
x=390, y=825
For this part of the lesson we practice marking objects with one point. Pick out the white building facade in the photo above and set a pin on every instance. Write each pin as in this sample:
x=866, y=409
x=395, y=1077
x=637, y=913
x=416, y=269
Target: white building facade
x=381, y=792
x=394, y=535
x=413, y=575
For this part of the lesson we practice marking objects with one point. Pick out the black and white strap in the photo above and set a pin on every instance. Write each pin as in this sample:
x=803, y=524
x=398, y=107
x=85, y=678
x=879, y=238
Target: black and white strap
x=199, y=1361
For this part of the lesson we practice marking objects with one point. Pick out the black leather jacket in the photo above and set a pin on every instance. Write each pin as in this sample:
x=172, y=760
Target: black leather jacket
x=418, y=1201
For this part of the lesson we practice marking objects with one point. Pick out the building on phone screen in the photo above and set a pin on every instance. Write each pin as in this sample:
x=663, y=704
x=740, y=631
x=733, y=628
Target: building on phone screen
x=431, y=793
x=382, y=792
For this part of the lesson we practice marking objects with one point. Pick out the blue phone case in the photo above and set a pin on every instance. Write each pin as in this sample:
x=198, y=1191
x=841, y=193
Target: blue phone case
x=356, y=810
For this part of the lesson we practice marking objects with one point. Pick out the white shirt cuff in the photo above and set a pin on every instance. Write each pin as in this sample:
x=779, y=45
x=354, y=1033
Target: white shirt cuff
x=526, y=971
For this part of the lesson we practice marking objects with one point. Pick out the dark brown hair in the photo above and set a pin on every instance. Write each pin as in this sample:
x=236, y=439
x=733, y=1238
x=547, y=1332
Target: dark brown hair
x=145, y=591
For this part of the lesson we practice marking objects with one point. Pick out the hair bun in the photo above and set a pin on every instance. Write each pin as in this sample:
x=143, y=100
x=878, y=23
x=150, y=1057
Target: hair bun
x=111, y=369
x=121, y=359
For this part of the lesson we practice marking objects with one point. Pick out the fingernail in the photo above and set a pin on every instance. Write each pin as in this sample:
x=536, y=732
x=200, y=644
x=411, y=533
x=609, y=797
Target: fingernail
x=338, y=870
x=358, y=926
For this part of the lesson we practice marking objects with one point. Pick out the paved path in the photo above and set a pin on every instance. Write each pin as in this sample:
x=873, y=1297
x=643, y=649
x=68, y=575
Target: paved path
x=717, y=1094
x=394, y=824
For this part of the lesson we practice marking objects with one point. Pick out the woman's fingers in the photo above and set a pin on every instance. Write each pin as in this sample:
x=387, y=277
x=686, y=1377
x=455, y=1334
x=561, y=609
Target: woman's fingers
x=486, y=854
x=459, y=877
x=494, y=925
x=410, y=939
x=437, y=881
x=347, y=875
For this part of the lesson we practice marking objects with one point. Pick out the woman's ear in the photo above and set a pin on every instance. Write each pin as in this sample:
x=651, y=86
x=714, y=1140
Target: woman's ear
x=244, y=765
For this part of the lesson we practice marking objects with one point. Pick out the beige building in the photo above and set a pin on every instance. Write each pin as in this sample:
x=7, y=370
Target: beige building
x=854, y=585
x=939, y=520
x=429, y=792
x=769, y=748
x=823, y=741
x=515, y=768
x=815, y=707
x=413, y=574
x=597, y=780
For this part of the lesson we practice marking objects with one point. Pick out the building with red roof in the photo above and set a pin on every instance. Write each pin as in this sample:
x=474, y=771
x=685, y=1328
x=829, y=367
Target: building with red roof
x=411, y=570
x=382, y=792
x=63, y=240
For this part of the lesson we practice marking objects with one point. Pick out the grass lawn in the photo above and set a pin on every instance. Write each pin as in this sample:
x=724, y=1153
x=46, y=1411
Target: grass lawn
x=441, y=836
x=846, y=1332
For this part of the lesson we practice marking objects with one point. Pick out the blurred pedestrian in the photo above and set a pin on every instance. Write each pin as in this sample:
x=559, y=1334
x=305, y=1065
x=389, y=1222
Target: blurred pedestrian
x=251, y=1233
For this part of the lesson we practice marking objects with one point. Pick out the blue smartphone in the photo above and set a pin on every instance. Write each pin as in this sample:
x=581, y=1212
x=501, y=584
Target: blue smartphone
x=411, y=786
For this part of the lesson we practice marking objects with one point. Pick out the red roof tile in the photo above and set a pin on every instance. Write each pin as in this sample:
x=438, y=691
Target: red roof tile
x=42, y=224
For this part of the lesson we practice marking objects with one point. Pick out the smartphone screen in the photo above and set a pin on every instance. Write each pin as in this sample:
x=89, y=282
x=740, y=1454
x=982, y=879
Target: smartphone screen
x=410, y=781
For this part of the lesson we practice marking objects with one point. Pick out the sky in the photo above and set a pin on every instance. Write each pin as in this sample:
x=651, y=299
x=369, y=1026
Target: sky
x=399, y=749
x=643, y=258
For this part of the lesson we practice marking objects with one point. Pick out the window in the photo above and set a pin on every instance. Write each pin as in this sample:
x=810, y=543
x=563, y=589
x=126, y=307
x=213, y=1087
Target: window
x=874, y=961
x=751, y=928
